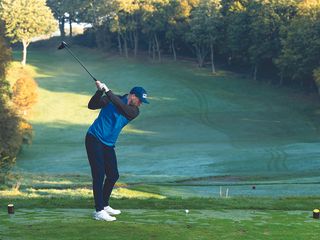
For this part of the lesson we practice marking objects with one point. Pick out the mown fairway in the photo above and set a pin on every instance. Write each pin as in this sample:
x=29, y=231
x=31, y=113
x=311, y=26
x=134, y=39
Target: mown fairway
x=214, y=130
x=200, y=133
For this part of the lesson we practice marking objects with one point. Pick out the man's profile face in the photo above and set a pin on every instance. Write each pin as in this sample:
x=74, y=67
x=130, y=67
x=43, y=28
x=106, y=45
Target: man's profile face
x=134, y=100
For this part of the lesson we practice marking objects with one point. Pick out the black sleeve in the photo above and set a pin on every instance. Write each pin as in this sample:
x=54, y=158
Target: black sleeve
x=130, y=112
x=97, y=101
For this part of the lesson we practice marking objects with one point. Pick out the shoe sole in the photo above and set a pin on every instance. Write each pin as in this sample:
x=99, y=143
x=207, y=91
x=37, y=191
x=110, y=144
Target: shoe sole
x=112, y=214
x=100, y=219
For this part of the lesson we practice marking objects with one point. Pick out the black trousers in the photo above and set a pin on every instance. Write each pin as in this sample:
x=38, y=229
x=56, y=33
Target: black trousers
x=104, y=170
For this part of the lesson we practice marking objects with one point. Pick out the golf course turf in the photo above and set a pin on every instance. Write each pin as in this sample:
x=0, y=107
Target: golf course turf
x=201, y=135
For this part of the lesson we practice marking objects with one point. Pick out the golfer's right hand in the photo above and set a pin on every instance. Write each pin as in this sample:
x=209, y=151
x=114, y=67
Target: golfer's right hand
x=101, y=86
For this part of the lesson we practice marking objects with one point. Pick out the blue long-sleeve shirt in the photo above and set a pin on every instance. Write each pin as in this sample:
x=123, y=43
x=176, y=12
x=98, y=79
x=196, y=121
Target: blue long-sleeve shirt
x=115, y=113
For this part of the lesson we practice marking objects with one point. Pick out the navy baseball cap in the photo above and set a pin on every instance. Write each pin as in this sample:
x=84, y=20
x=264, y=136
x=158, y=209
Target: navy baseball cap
x=140, y=93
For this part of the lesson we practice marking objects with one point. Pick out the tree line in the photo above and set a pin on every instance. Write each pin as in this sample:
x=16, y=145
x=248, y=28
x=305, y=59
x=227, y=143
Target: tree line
x=15, y=104
x=281, y=36
x=263, y=36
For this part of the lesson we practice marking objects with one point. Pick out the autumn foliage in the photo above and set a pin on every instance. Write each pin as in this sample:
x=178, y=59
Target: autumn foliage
x=25, y=94
x=14, y=104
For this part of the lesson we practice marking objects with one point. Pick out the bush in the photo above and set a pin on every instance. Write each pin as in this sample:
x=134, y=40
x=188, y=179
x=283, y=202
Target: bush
x=24, y=94
x=25, y=129
x=12, y=127
x=10, y=138
x=316, y=77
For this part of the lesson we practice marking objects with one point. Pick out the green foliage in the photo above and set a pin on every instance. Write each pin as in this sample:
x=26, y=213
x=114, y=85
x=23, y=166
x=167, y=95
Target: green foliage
x=13, y=129
x=264, y=29
x=5, y=56
x=70, y=11
x=263, y=34
x=316, y=76
x=10, y=139
x=301, y=46
x=26, y=19
x=205, y=23
x=59, y=9
x=237, y=29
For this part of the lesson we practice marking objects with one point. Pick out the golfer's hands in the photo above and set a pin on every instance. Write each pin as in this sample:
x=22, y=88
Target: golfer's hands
x=102, y=87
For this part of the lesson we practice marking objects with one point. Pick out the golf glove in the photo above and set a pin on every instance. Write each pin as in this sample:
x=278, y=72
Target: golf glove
x=102, y=87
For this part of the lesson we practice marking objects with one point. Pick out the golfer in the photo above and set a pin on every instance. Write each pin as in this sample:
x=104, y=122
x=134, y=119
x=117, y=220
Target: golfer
x=116, y=112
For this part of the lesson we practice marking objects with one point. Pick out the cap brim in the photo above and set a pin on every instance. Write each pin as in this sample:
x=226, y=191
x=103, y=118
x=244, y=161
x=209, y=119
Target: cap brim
x=144, y=100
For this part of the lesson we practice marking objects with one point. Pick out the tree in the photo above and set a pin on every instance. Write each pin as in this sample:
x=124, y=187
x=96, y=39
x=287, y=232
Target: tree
x=26, y=19
x=154, y=24
x=301, y=45
x=214, y=25
x=204, y=33
x=126, y=24
x=69, y=10
x=263, y=33
x=74, y=9
x=135, y=24
x=5, y=56
x=10, y=137
x=237, y=29
x=316, y=76
x=114, y=17
x=100, y=13
x=58, y=8
x=197, y=35
x=177, y=14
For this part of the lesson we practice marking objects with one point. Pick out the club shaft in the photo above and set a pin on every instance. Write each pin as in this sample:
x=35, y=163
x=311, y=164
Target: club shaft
x=94, y=79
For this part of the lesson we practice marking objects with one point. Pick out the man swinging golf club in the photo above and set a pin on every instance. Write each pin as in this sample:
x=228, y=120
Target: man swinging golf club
x=116, y=112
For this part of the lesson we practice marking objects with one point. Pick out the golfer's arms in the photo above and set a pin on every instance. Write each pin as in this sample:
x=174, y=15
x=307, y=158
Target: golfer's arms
x=130, y=112
x=97, y=101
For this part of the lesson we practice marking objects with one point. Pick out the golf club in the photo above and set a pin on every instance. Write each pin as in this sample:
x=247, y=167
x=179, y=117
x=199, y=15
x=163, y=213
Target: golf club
x=64, y=45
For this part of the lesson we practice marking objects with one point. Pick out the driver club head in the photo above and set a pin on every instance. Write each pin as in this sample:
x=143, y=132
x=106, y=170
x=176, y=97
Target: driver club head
x=62, y=45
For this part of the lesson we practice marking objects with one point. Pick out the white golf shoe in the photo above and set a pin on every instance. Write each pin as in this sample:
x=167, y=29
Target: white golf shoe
x=103, y=215
x=111, y=211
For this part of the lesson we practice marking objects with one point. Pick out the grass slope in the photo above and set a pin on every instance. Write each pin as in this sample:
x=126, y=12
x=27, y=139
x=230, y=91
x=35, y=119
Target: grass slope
x=200, y=132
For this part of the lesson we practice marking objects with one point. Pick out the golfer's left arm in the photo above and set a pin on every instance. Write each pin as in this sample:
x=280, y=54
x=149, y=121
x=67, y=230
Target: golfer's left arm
x=130, y=112
x=98, y=101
